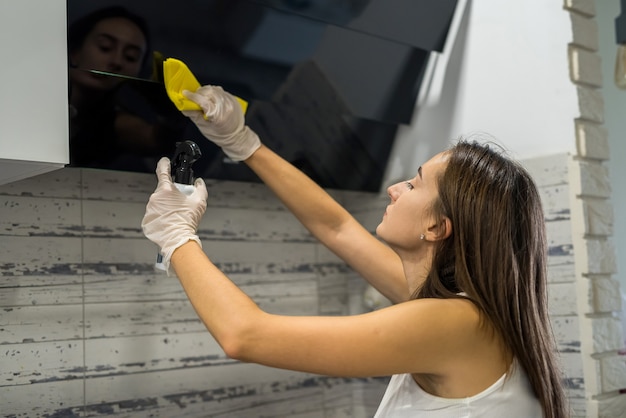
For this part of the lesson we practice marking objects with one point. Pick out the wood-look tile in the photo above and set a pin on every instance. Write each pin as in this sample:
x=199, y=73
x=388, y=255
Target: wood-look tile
x=50, y=399
x=38, y=290
x=62, y=183
x=184, y=385
x=39, y=217
x=35, y=363
x=28, y=256
x=32, y=324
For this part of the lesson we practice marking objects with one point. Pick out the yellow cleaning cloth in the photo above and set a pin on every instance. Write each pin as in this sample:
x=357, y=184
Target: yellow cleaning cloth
x=177, y=77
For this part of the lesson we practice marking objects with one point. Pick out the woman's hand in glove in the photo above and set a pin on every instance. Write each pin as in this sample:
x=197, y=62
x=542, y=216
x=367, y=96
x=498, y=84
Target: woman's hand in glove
x=172, y=217
x=222, y=121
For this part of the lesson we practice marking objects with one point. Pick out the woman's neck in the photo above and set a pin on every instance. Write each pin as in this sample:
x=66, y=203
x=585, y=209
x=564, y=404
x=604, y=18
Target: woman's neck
x=416, y=266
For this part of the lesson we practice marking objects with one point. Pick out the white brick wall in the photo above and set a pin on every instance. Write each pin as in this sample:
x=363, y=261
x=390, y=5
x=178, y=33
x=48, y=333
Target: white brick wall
x=597, y=291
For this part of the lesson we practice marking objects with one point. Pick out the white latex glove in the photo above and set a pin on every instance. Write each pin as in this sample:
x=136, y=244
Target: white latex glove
x=222, y=121
x=172, y=217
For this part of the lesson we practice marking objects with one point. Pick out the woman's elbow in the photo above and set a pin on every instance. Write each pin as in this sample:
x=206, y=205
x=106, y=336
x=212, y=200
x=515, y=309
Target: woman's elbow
x=236, y=342
x=234, y=349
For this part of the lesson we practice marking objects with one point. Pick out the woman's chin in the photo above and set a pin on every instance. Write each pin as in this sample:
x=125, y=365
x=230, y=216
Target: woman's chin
x=379, y=231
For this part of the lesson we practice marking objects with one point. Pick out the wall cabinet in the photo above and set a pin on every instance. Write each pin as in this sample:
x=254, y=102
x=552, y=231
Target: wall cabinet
x=33, y=88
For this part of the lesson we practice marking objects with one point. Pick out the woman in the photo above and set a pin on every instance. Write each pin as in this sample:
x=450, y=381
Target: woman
x=469, y=333
x=103, y=131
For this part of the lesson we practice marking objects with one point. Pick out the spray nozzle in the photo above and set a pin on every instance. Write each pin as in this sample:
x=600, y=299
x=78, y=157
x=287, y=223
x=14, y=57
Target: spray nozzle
x=186, y=154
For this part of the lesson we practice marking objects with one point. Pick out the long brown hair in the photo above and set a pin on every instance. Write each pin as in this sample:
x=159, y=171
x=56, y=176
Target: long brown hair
x=497, y=256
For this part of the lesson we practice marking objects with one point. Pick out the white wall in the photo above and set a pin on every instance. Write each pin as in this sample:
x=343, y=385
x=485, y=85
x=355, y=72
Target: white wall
x=500, y=69
x=615, y=122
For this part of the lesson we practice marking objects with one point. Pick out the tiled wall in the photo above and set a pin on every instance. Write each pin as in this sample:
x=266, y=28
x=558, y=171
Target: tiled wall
x=87, y=328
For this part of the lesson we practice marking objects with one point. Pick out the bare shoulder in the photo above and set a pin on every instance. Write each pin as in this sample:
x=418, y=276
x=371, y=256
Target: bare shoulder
x=450, y=314
x=450, y=334
x=466, y=356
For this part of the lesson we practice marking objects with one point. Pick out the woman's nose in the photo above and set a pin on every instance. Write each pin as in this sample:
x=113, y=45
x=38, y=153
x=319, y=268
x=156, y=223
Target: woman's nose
x=116, y=60
x=393, y=191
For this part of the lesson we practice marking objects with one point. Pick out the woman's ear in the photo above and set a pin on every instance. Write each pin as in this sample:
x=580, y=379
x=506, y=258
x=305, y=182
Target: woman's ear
x=440, y=230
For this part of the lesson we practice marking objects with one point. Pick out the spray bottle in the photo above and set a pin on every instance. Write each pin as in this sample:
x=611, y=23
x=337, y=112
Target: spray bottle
x=185, y=155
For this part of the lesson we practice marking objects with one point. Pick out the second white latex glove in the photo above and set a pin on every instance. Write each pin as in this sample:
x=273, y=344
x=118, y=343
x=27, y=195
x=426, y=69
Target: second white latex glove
x=222, y=122
x=172, y=217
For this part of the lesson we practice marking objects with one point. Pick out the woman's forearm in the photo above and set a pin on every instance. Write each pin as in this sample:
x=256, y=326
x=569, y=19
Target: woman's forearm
x=311, y=204
x=329, y=222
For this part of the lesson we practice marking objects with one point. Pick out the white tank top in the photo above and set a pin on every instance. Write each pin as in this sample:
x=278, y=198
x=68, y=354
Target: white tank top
x=510, y=398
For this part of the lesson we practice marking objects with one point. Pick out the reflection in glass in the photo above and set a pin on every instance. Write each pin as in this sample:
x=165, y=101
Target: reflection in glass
x=326, y=96
x=420, y=23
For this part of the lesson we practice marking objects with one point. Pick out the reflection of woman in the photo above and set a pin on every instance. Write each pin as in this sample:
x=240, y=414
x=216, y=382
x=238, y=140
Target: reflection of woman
x=465, y=264
x=102, y=131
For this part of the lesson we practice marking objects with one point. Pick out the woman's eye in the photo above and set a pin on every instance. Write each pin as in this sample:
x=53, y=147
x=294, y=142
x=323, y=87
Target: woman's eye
x=409, y=185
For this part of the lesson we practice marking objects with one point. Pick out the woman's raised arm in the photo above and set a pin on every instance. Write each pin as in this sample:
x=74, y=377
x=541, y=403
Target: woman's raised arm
x=222, y=122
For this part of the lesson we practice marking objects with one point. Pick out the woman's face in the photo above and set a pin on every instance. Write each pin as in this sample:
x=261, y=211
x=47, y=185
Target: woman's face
x=114, y=45
x=408, y=214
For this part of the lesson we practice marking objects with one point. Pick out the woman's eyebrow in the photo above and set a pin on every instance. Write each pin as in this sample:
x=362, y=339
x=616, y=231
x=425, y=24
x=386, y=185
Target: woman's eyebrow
x=419, y=172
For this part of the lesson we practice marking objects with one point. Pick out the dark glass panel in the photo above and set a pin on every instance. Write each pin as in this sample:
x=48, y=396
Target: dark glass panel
x=326, y=95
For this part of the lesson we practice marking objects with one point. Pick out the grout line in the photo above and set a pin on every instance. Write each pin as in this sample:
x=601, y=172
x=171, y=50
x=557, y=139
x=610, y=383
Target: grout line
x=82, y=277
